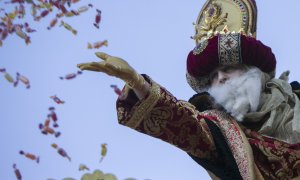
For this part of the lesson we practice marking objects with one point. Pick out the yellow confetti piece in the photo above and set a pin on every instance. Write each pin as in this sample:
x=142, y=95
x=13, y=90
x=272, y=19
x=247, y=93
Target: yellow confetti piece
x=9, y=78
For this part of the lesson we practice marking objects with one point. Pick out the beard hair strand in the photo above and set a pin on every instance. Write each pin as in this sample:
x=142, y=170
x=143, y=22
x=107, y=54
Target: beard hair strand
x=239, y=95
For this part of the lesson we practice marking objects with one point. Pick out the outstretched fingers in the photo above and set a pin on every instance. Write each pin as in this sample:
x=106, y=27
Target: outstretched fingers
x=102, y=55
x=113, y=67
x=87, y=67
x=92, y=66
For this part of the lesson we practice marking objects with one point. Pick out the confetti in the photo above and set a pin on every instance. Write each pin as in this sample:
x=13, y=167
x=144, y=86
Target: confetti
x=4, y=34
x=30, y=156
x=33, y=10
x=46, y=129
x=97, y=18
x=17, y=172
x=83, y=167
x=52, y=23
x=14, y=1
x=68, y=27
x=103, y=151
x=53, y=116
x=63, y=8
x=57, y=100
x=23, y=79
x=83, y=9
x=72, y=13
x=38, y=9
x=117, y=90
x=22, y=34
x=28, y=29
x=7, y=76
x=71, y=75
x=75, y=1
x=21, y=11
x=98, y=44
x=61, y=151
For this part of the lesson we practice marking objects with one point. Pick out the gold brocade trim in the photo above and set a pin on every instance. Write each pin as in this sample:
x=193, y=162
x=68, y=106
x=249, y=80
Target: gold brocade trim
x=176, y=122
x=198, y=84
x=200, y=47
x=212, y=19
x=254, y=172
x=252, y=18
x=140, y=111
x=257, y=173
x=229, y=48
x=237, y=142
x=217, y=14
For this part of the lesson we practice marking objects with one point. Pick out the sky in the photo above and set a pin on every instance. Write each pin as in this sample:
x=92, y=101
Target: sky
x=154, y=37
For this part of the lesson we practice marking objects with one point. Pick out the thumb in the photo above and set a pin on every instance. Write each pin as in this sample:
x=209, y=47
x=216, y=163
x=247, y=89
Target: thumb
x=102, y=55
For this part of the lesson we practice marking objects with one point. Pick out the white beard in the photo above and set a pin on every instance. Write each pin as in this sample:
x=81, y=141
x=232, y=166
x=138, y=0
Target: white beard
x=239, y=95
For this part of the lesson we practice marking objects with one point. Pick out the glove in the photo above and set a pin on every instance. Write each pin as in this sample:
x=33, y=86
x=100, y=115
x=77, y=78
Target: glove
x=117, y=67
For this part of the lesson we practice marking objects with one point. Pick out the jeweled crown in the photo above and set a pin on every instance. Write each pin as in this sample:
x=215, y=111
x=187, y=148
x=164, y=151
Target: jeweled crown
x=226, y=16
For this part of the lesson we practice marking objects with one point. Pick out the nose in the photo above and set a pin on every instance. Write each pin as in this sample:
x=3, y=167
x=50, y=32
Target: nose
x=222, y=77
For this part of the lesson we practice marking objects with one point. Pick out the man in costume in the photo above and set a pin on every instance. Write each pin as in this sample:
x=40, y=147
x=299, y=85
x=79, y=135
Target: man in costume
x=243, y=123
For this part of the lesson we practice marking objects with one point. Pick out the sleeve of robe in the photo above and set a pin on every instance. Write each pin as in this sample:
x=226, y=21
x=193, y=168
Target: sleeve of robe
x=162, y=116
x=177, y=122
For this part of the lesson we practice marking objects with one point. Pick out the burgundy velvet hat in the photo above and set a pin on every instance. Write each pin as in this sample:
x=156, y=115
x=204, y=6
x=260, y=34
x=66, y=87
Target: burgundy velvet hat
x=225, y=35
x=226, y=49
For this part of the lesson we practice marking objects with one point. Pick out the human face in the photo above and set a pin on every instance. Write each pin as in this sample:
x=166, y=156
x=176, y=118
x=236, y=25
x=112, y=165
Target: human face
x=237, y=91
x=224, y=73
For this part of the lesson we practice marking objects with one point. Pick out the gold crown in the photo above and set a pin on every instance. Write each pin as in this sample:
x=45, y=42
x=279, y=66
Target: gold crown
x=225, y=16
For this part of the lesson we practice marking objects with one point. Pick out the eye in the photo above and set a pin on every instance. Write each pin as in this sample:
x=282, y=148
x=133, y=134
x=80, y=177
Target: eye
x=213, y=75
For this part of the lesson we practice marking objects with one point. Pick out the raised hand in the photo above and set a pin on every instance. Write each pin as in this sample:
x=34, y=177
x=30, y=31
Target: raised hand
x=117, y=67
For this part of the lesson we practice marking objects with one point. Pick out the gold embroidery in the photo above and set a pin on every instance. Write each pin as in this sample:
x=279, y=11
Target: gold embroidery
x=212, y=20
x=281, y=160
x=140, y=111
x=199, y=85
x=157, y=120
x=200, y=47
x=177, y=122
x=229, y=49
x=235, y=15
x=251, y=165
x=236, y=143
x=120, y=112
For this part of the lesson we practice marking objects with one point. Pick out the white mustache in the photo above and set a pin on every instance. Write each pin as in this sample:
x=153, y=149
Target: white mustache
x=239, y=95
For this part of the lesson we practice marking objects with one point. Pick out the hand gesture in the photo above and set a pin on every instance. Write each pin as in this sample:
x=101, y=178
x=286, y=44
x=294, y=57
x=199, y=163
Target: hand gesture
x=115, y=66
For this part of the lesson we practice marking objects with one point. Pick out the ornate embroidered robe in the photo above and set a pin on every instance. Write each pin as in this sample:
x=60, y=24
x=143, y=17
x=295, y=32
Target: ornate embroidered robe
x=226, y=149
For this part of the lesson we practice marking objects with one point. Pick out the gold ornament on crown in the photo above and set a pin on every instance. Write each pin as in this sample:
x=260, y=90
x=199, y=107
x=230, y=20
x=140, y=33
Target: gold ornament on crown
x=212, y=20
